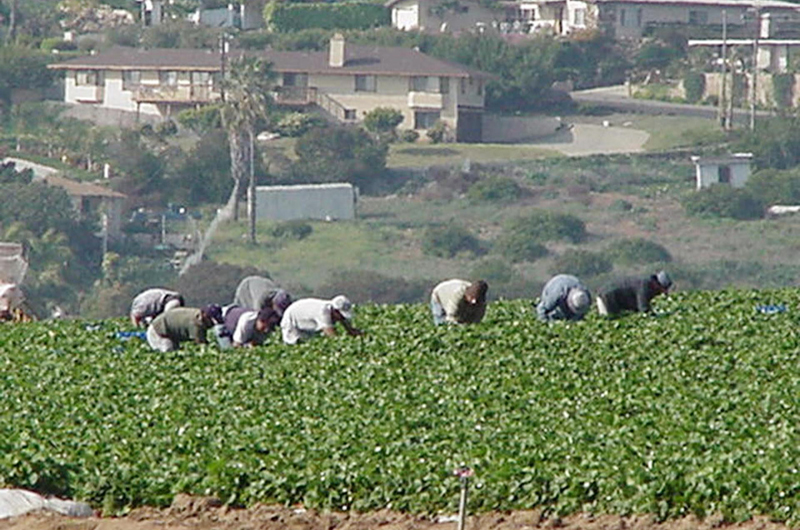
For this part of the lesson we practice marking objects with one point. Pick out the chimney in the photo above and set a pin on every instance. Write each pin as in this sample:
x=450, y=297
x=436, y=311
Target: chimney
x=336, y=55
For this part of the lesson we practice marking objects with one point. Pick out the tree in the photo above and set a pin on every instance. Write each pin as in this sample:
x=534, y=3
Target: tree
x=248, y=86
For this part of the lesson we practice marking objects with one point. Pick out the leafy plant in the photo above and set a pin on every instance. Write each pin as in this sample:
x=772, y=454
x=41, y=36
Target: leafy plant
x=494, y=189
x=447, y=241
x=637, y=252
x=581, y=263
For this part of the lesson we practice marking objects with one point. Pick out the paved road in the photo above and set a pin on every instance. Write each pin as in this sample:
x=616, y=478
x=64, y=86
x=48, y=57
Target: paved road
x=616, y=97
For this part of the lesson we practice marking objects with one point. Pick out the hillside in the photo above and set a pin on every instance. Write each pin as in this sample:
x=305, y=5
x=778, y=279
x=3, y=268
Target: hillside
x=688, y=412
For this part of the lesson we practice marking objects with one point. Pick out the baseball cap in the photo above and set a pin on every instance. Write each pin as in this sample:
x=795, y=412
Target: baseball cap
x=344, y=306
x=663, y=279
x=579, y=301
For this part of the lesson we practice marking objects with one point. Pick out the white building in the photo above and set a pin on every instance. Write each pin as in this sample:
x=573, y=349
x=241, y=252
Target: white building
x=733, y=170
x=328, y=202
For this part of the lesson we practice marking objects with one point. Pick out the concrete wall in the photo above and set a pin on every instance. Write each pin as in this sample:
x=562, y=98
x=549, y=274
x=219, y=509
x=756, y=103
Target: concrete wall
x=510, y=129
x=421, y=15
x=708, y=173
x=312, y=201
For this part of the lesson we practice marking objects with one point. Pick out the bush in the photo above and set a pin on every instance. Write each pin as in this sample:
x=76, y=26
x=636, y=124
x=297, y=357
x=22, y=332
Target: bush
x=288, y=17
x=541, y=225
x=782, y=86
x=213, y=283
x=373, y=287
x=447, y=241
x=201, y=120
x=773, y=186
x=383, y=120
x=494, y=189
x=637, y=251
x=166, y=128
x=581, y=263
x=296, y=124
x=518, y=246
x=291, y=230
x=503, y=280
x=694, y=84
x=721, y=200
x=409, y=136
x=438, y=133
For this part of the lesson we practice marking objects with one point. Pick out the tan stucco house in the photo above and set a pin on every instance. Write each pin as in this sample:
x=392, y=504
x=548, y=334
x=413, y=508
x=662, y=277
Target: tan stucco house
x=630, y=18
x=346, y=81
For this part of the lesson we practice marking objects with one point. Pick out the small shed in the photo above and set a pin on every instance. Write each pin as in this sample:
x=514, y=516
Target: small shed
x=91, y=200
x=335, y=201
x=731, y=169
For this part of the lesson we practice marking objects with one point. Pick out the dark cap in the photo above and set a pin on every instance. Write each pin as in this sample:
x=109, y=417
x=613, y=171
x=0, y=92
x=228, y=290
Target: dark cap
x=213, y=312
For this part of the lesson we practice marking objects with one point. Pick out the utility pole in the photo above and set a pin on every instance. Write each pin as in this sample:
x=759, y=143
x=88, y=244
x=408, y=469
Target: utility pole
x=223, y=51
x=723, y=113
x=12, y=23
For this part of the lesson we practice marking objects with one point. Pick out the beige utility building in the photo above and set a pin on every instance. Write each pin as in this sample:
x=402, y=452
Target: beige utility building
x=345, y=82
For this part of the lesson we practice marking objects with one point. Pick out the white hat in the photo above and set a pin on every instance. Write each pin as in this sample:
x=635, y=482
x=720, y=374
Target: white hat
x=344, y=306
x=578, y=301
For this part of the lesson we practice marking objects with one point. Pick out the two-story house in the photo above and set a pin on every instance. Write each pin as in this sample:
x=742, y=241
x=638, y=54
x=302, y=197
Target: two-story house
x=346, y=81
x=628, y=19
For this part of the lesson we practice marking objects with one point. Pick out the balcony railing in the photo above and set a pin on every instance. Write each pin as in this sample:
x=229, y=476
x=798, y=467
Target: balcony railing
x=174, y=94
x=295, y=95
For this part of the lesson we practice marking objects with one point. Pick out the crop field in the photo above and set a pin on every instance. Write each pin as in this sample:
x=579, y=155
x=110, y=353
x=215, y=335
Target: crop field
x=694, y=410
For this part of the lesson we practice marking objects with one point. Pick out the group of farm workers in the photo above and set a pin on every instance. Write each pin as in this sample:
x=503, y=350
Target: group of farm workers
x=259, y=306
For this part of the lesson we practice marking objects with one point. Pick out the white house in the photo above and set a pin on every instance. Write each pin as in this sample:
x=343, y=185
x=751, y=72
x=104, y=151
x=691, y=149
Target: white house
x=336, y=201
x=346, y=81
x=630, y=18
x=733, y=170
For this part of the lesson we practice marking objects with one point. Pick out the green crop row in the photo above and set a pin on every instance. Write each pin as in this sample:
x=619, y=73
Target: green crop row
x=692, y=411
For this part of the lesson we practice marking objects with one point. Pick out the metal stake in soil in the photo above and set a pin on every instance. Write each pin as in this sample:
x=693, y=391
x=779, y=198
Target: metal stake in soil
x=463, y=473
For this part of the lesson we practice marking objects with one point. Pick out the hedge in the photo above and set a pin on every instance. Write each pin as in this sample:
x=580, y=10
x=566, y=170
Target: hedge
x=286, y=17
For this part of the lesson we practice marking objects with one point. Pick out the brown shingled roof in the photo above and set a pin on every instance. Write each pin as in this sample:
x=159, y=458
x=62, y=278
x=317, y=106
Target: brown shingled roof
x=362, y=60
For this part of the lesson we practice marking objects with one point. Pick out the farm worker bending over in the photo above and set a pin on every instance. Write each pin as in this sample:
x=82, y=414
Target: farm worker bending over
x=633, y=294
x=564, y=297
x=305, y=317
x=459, y=302
x=148, y=304
x=246, y=327
x=178, y=325
x=257, y=292
x=11, y=298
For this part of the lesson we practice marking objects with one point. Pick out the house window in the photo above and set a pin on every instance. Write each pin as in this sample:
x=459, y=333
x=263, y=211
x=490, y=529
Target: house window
x=88, y=77
x=366, y=83
x=630, y=18
x=463, y=84
x=425, y=119
x=579, y=17
x=480, y=88
x=200, y=78
x=131, y=79
x=444, y=85
x=168, y=78
x=295, y=79
x=724, y=174
x=698, y=17
x=418, y=84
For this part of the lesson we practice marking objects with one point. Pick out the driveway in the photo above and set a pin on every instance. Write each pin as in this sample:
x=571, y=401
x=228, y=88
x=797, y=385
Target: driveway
x=583, y=139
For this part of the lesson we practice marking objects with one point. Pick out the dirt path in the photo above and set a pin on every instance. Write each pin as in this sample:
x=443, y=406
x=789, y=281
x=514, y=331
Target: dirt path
x=203, y=513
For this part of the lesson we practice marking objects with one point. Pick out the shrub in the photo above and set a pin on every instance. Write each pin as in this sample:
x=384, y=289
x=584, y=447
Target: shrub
x=581, y=263
x=518, y=246
x=296, y=124
x=773, y=186
x=620, y=205
x=383, y=120
x=213, y=283
x=694, y=84
x=447, y=241
x=374, y=287
x=438, y=133
x=166, y=128
x=494, y=189
x=409, y=136
x=541, y=225
x=291, y=230
x=503, y=280
x=201, y=120
x=722, y=200
x=637, y=251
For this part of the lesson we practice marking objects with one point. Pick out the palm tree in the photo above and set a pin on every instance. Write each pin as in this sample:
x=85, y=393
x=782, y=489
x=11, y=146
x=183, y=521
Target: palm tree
x=248, y=86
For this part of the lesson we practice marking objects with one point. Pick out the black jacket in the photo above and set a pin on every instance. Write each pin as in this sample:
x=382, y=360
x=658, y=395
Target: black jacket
x=630, y=294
